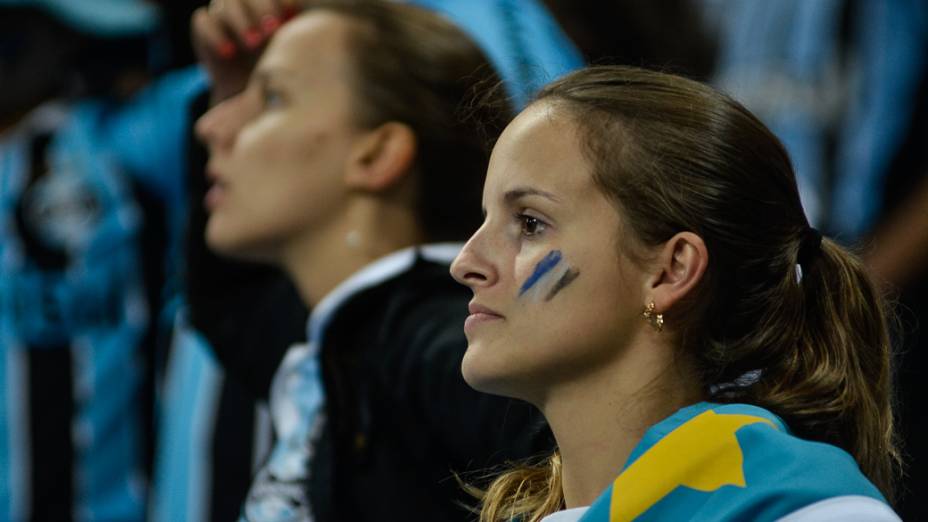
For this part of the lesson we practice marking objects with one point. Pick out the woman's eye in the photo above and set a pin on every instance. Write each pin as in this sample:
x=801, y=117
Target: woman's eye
x=531, y=226
x=271, y=99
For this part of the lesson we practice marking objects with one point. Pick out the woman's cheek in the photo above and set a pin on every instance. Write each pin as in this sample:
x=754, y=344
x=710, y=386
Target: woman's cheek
x=550, y=275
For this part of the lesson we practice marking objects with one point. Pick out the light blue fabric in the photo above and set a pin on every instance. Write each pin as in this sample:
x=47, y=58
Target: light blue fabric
x=780, y=59
x=523, y=41
x=892, y=42
x=785, y=61
x=106, y=18
x=192, y=389
x=95, y=305
x=193, y=381
x=148, y=137
x=278, y=492
x=14, y=448
x=782, y=473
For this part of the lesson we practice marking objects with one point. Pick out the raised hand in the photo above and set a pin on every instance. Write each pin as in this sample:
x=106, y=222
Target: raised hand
x=229, y=35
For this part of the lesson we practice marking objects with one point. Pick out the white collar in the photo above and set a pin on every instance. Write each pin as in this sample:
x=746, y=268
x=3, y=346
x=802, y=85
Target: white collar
x=566, y=515
x=371, y=275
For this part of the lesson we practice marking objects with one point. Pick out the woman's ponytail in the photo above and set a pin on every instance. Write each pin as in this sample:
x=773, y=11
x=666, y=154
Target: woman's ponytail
x=831, y=378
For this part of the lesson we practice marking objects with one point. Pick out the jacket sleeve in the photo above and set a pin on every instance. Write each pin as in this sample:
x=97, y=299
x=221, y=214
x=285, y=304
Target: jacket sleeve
x=477, y=430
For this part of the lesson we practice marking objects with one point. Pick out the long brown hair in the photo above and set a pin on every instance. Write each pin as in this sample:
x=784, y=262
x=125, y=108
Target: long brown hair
x=675, y=155
x=415, y=67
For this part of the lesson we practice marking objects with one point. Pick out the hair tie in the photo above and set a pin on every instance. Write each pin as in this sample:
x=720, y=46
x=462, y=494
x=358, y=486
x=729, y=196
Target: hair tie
x=810, y=244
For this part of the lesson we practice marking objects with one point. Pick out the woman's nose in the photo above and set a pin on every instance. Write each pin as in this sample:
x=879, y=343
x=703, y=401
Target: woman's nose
x=218, y=127
x=471, y=267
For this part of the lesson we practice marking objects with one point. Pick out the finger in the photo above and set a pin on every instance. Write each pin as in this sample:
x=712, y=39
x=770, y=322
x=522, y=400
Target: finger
x=264, y=7
x=210, y=36
x=235, y=15
x=269, y=14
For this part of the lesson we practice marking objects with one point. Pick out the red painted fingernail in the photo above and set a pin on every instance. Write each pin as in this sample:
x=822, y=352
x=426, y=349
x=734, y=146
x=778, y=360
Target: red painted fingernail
x=226, y=49
x=270, y=23
x=253, y=38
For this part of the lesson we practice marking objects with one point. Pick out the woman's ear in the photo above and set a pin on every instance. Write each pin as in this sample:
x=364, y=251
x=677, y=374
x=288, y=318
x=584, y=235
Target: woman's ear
x=680, y=265
x=381, y=158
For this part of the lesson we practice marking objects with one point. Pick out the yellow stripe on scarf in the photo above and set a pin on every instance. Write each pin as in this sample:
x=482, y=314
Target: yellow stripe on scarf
x=702, y=454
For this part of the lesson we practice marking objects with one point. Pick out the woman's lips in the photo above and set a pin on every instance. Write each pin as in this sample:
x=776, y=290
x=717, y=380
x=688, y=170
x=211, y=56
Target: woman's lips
x=214, y=196
x=479, y=315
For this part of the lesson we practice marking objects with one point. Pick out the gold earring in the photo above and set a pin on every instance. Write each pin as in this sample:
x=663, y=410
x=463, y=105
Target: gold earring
x=655, y=320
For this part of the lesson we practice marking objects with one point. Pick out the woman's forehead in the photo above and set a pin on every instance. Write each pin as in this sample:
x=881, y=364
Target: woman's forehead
x=310, y=44
x=539, y=149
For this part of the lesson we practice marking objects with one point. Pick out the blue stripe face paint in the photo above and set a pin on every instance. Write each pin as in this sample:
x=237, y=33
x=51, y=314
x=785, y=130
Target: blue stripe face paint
x=543, y=267
x=549, y=277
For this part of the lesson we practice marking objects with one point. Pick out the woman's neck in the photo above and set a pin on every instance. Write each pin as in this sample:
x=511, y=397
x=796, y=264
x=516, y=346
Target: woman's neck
x=320, y=260
x=598, y=421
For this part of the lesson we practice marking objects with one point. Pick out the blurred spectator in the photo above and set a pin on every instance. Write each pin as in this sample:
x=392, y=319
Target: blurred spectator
x=836, y=80
x=521, y=38
x=85, y=182
x=786, y=62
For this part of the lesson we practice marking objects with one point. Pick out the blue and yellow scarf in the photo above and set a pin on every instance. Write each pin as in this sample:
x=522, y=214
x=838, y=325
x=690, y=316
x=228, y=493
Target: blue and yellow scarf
x=726, y=462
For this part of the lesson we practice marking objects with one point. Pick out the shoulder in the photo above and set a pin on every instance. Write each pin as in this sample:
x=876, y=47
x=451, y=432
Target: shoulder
x=733, y=462
x=783, y=473
x=778, y=461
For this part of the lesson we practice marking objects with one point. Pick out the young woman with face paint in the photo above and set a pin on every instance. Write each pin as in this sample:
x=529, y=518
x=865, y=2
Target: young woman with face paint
x=645, y=275
x=338, y=161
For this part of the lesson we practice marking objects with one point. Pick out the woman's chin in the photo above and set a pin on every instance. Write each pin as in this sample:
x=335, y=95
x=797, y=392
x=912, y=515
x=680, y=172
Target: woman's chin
x=227, y=243
x=219, y=240
x=484, y=377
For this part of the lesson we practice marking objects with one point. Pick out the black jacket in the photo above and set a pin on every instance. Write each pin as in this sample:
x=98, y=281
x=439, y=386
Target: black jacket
x=401, y=420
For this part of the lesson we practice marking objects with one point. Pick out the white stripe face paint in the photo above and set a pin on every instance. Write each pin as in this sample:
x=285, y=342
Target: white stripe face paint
x=551, y=275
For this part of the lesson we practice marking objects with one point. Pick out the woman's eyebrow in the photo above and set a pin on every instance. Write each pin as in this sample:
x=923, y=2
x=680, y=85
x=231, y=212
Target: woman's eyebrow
x=520, y=192
x=513, y=195
x=269, y=74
